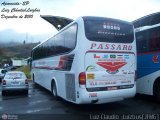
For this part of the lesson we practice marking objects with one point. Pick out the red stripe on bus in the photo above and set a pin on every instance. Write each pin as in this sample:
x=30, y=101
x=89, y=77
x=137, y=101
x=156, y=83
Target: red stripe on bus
x=153, y=52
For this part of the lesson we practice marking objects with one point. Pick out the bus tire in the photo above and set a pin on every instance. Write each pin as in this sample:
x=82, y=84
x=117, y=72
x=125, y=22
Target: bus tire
x=156, y=90
x=33, y=79
x=54, y=89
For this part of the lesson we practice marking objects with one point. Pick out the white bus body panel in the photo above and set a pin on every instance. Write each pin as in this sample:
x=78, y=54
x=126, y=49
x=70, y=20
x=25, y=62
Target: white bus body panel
x=84, y=57
x=145, y=84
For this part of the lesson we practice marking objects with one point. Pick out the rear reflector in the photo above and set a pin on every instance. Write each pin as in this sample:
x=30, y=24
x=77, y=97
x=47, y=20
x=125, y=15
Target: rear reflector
x=82, y=78
x=3, y=82
x=90, y=76
x=135, y=75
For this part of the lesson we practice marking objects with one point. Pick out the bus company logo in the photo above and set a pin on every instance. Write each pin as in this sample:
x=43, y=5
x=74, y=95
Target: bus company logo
x=107, y=46
x=112, y=67
x=155, y=59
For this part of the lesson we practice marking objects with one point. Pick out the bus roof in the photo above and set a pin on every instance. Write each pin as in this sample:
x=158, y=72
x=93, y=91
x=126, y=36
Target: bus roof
x=104, y=18
x=147, y=20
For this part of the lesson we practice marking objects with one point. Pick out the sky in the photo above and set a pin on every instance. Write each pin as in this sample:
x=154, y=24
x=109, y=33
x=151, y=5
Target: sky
x=128, y=10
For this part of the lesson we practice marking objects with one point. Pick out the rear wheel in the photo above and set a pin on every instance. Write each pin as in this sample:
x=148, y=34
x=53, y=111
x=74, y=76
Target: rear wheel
x=157, y=90
x=54, y=90
x=33, y=79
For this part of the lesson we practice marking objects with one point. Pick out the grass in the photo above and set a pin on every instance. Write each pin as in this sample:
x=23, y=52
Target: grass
x=26, y=70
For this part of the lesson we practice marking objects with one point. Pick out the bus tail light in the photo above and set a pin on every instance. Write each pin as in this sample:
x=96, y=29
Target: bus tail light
x=3, y=82
x=82, y=78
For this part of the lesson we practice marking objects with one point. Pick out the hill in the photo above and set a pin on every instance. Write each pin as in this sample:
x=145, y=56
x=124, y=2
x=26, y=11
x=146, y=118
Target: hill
x=19, y=51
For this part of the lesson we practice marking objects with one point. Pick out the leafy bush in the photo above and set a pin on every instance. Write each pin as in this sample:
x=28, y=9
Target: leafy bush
x=26, y=70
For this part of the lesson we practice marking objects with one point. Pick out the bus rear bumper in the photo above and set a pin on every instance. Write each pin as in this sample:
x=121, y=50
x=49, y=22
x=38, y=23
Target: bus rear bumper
x=100, y=97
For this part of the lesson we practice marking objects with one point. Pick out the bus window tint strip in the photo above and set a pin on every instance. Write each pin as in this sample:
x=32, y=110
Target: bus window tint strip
x=59, y=44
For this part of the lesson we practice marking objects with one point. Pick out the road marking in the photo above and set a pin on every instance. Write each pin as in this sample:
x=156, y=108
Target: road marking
x=38, y=101
x=38, y=110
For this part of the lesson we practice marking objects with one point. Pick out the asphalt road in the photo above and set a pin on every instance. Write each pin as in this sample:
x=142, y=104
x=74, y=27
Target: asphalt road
x=40, y=104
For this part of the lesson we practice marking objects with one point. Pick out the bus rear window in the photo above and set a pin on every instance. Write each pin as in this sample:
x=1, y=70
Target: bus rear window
x=108, y=30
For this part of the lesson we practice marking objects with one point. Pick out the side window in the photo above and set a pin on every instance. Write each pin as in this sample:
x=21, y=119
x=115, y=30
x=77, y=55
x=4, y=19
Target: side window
x=50, y=47
x=154, y=39
x=142, y=41
x=59, y=43
x=37, y=53
x=66, y=40
x=43, y=50
x=70, y=37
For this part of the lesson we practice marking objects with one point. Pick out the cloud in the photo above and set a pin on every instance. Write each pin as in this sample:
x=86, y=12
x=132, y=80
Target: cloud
x=128, y=10
x=9, y=35
x=122, y=9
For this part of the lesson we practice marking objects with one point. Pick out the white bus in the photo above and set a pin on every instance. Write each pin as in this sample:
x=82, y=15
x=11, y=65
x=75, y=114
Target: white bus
x=148, y=60
x=90, y=60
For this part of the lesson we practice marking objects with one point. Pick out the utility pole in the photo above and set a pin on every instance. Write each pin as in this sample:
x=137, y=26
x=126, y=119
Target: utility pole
x=26, y=36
